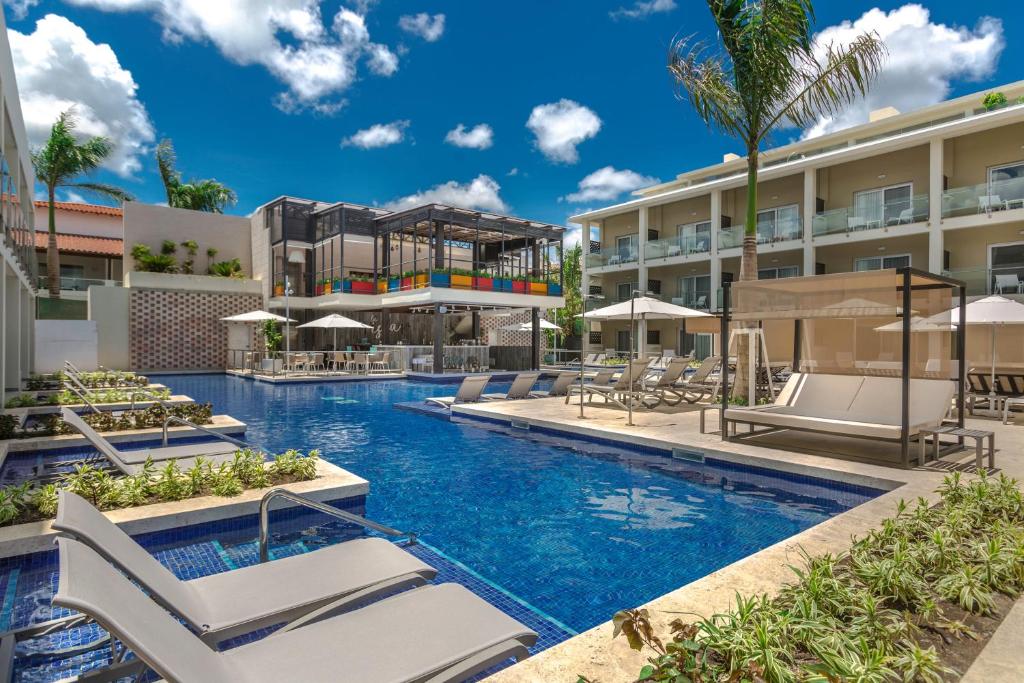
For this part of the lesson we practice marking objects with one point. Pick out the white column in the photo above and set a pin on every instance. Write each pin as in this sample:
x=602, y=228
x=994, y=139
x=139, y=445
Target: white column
x=641, y=277
x=584, y=281
x=12, y=330
x=810, y=209
x=935, y=182
x=716, y=263
x=27, y=325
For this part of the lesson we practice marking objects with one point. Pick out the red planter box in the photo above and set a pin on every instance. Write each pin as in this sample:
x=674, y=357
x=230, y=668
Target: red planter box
x=519, y=286
x=406, y=283
x=362, y=287
x=484, y=283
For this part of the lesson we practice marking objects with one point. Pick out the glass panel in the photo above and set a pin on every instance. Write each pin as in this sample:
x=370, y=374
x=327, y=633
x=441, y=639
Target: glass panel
x=896, y=261
x=1007, y=182
x=867, y=208
x=898, y=204
x=869, y=263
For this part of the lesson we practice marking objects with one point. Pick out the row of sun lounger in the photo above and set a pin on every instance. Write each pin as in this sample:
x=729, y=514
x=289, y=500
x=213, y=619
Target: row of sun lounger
x=326, y=598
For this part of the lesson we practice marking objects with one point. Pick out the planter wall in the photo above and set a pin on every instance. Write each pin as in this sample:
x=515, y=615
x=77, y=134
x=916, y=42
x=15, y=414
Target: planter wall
x=462, y=281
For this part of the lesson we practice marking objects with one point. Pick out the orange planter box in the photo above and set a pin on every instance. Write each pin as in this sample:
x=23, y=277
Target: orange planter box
x=421, y=280
x=462, y=281
x=539, y=288
x=382, y=286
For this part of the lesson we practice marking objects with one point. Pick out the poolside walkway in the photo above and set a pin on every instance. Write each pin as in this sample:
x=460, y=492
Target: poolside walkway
x=594, y=653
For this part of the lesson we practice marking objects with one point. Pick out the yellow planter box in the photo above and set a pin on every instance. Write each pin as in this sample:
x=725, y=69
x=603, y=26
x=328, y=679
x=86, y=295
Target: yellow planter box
x=539, y=288
x=382, y=286
x=421, y=280
x=462, y=281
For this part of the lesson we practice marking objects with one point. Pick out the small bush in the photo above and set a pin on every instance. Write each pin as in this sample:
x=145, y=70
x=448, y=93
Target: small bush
x=994, y=100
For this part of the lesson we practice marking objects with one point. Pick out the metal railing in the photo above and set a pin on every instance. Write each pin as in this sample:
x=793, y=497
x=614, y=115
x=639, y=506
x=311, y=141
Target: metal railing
x=206, y=430
x=612, y=256
x=998, y=195
x=683, y=245
x=338, y=513
x=1004, y=280
x=849, y=219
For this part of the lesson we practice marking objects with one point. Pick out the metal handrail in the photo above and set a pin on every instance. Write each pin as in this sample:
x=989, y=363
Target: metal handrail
x=84, y=399
x=148, y=395
x=223, y=437
x=319, y=507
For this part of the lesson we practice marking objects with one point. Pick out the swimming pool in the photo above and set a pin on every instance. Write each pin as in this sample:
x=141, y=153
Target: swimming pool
x=577, y=530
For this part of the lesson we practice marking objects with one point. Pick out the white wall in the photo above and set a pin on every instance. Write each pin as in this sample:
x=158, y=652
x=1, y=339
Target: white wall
x=150, y=224
x=108, y=310
x=60, y=340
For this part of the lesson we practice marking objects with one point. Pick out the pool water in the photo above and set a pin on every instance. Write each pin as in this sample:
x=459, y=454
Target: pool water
x=576, y=530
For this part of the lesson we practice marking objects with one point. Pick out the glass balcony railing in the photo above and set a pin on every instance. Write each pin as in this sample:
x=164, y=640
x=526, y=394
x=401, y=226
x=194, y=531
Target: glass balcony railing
x=698, y=300
x=687, y=245
x=768, y=232
x=851, y=219
x=1003, y=280
x=1001, y=195
x=612, y=257
x=76, y=284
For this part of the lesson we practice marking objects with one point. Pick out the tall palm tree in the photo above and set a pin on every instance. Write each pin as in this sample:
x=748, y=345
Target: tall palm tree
x=58, y=163
x=198, y=195
x=768, y=75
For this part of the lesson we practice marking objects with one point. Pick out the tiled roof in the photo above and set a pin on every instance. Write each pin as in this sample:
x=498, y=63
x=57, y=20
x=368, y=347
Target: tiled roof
x=84, y=208
x=82, y=244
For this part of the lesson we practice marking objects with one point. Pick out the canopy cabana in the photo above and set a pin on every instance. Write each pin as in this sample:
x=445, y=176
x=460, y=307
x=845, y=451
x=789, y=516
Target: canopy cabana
x=856, y=330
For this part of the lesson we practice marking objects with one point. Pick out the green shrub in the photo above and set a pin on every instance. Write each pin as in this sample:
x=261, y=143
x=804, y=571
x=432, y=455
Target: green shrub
x=8, y=426
x=231, y=268
x=994, y=100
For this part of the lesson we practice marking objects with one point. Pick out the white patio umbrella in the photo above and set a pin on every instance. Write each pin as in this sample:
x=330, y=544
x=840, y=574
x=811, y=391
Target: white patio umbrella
x=335, y=322
x=528, y=327
x=993, y=311
x=256, y=317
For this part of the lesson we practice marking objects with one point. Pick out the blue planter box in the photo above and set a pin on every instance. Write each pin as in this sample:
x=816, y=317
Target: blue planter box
x=440, y=280
x=503, y=285
x=394, y=284
x=554, y=290
x=346, y=286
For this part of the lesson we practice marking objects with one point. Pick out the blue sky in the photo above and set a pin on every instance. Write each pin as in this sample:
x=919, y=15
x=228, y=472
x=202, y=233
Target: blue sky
x=356, y=101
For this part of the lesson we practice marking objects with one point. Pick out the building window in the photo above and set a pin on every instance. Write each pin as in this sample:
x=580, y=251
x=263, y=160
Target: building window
x=694, y=238
x=595, y=338
x=695, y=292
x=883, y=206
x=778, y=224
x=779, y=272
x=627, y=247
x=1007, y=183
x=881, y=262
x=624, y=290
x=654, y=337
x=1006, y=268
x=622, y=341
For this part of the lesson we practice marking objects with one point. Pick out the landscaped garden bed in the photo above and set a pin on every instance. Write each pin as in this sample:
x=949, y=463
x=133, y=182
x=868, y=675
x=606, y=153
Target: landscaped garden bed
x=95, y=396
x=27, y=503
x=914, y=600
x=101, y=379
x=153, y=416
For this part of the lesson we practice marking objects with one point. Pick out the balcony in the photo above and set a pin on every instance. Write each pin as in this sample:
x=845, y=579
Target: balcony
x=481, y=281
x=781, y=229
x=1004, y=280
x=612, y=257
x=686, y=245
x=76, y=284
x=849, y=219
x=697, y=300
x=1001, y=195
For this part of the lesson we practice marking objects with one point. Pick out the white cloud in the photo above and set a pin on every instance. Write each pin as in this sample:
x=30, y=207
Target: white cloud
x=482, y=194
x=377, y=135
x=480, y=136
x=607, y=183
x=514, y=171
x=287, y=37
x=59, y=67
x=560, y=126
x=19, y=8
x=924, y=59
x=429, y=28
x=641, y=9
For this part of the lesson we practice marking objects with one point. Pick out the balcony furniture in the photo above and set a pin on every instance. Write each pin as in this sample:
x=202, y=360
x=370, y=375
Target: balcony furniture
x=614, y=259
x=703, y=414
x=856, y=223
x=989, y=202
x=1013, y=203
x=674, y=250
x=906, y=216
x=1008, y=403
x=979, y=436
x=1008, y=282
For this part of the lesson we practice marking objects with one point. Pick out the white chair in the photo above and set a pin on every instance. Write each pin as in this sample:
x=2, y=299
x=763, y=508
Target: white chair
x=1008, y=282
x=856, y=223
x=906, y=216
x=989, y=202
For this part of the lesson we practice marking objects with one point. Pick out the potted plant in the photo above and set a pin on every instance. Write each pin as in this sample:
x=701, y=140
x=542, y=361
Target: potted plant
x=421, y=280
x=318, y=287
x=407, y=277
x=440, y=278
x=278, y=289
x=483, y=280
x=382, y=285
x=538, y=285
x=337, y=286
x=394, y=283
x=519, y=284
x=503, y=284
x=554, y=289
x=361, y=285
x=462, y=279
x=993, y=101
x=345, y=285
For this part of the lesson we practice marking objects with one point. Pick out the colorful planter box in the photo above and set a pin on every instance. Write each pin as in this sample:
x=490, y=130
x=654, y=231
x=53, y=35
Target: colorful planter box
x=503, y=284
x=338, y=286
x=382, y=286
x=484, y=283
x=540, y=288
x=346, y=286
x=406, y=283
x=326, y=287
x=440, y=280
x=318, y=289
x=421, y=280
x=554, y=290
x=361, y=286
x=462, y=281
x=278, y=290
x=519, y=286
x=394, y=284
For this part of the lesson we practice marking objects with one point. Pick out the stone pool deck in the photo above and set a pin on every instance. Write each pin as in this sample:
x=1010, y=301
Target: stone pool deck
x=596, y=655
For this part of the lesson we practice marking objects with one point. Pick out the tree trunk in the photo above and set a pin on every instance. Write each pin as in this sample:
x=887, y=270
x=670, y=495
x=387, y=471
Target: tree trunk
x=748, y=271
x=52, y=255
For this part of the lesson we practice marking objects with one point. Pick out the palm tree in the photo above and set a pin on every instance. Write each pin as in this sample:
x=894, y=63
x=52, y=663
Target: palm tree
x=198, y=195
x=768, y=76
x=58, y=163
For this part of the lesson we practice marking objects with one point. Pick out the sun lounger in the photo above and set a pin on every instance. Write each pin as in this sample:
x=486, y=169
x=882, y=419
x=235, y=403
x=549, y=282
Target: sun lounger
x=664, y=389
x=228, y=604
x=850, y=405
x=591, y=358
x=700, y=383
x=433, y=633
x=624, y=390
x=132, y=462
x=470, y=391
x=560, y=387
x=521, y=388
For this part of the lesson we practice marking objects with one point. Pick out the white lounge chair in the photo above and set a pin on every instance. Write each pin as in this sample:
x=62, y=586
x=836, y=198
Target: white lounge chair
x=560, y=387
x=1008, y=282
x=700, y=384
x=624, y=390
x=221, y=606
x=521, y=387
x=470, y=391
x=132, y=462
x=664, y=389
x=433, y=633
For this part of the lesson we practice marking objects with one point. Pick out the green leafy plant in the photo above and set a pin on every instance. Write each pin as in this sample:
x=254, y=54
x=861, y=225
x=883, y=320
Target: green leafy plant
x=191, y=247
x=148, y=262
x=272, y=336
x=994, y=100
x=231, y=268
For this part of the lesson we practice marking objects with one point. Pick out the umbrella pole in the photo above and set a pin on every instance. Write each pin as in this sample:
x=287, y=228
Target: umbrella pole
x=992, y=376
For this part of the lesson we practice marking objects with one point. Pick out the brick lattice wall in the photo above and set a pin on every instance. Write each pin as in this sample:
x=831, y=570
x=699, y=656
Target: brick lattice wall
x=181, y=330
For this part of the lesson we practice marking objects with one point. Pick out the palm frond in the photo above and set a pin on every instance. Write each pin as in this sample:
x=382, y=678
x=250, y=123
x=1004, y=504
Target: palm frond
x=166, y=159
x=704, y=81
x=104, y=190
